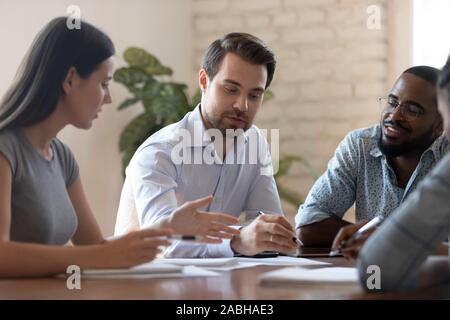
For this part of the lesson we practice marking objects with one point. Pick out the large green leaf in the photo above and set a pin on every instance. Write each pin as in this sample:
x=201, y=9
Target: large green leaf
x=170, y=105
x=131, y=76
x=136, y=131
x=150, y=91
x=137, y=57
x=127, y=102
x=134, y=134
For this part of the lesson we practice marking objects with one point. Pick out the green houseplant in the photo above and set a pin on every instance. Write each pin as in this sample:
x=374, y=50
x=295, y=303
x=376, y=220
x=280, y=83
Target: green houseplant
x=166, y=102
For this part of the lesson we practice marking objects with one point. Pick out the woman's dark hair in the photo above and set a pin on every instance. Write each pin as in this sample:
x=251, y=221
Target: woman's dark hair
x=444, y=79
x=247, y=46
x=38, y=84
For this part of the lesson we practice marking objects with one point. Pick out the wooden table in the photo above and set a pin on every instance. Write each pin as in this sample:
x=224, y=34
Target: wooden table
x=232, y=285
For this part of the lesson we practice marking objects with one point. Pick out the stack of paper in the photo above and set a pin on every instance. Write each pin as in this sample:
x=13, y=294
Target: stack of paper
x=332, y=275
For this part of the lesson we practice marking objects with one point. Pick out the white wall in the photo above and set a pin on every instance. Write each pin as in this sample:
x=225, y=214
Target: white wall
x=161, y=26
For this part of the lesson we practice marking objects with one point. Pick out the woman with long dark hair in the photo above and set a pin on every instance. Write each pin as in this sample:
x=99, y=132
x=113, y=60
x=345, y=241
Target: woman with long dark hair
x=64, y=80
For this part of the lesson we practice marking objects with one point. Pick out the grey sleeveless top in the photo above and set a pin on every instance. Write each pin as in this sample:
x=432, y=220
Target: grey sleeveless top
x=41, y=210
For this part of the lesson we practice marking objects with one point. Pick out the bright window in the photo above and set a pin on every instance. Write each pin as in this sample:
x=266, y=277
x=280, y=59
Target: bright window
x=431, y=32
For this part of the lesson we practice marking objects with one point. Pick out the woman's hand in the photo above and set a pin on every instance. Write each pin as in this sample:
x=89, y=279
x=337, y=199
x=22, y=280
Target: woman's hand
x=189, y=220
x=134, y=248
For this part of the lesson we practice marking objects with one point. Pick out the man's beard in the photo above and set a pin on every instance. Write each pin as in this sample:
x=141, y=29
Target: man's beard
x=216, y=123
x=420, y=144
x=395, y=150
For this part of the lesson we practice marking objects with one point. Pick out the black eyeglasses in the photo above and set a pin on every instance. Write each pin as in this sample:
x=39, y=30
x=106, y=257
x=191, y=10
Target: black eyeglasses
x=408, y=110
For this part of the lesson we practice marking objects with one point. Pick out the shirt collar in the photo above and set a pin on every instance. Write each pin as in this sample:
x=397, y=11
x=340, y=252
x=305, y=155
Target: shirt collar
x=197, y=129
x=374, y=150
x=436, y=147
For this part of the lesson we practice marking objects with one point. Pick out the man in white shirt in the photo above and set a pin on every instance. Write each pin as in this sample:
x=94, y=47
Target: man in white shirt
x=212, y=151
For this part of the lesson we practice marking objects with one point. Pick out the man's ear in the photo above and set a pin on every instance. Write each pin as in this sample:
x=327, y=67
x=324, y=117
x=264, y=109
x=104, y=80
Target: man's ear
x=67, y=84
x=203, y=80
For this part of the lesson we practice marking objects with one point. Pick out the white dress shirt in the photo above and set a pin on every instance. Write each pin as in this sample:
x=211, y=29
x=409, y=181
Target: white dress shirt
x=157, y=182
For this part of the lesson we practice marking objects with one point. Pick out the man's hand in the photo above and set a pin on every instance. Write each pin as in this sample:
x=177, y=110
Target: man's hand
x=350, y=248
x=213, y=226
x=266, y=233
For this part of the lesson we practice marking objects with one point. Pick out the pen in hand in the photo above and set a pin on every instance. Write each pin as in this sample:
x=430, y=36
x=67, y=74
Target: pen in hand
x=368, y=227
x=180, y=237
x=297, y=241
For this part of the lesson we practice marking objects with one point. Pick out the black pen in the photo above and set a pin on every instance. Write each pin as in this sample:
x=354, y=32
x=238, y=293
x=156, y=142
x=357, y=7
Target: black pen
x=297, y=241
x=180, y=237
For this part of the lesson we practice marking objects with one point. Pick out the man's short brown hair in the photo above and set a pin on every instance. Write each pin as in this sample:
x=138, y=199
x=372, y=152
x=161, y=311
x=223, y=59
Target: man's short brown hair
x=246, y=46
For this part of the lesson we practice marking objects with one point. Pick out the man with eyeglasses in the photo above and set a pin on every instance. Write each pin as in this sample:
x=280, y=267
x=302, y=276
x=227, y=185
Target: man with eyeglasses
x=377, y=168
x=413, y=232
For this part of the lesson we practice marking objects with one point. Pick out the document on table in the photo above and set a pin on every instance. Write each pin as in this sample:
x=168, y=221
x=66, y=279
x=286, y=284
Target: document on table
x=148, y=270
x=282, y=261
x=327, y=275
x=199, y=262
x=278, y=261
x=227, y=264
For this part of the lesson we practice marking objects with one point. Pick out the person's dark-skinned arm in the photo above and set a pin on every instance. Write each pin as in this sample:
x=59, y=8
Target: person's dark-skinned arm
x=319, y=219
x=320, y=234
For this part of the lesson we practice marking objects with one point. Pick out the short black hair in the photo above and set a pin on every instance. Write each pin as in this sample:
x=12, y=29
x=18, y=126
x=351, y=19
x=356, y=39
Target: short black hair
x=427, y=73
x=247, y=46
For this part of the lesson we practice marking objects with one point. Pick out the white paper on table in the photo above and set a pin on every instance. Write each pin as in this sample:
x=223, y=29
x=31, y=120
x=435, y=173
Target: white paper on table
x=192, y=271
x=329, y=275
x=148, y=270
x=283, y=261
x=278, y=261
x=200, y=262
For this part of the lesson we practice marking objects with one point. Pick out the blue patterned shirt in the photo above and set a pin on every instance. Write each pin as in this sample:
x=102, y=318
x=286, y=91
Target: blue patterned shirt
x=360, y=174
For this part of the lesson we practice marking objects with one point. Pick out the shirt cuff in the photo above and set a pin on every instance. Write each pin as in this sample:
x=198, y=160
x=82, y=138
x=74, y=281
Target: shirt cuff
x=306, y=217
x=221, y=250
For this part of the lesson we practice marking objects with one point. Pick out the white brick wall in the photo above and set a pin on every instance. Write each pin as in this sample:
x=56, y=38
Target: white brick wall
x=330, y=71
